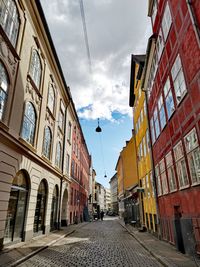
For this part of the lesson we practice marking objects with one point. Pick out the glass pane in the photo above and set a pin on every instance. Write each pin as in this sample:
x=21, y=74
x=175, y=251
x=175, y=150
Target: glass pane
x=19, y=219
x=10, y=220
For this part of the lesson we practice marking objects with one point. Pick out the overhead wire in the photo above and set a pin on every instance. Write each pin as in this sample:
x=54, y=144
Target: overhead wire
x=85, y=35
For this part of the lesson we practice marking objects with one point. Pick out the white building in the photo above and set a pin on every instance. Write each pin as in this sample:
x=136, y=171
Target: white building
x=114, y=193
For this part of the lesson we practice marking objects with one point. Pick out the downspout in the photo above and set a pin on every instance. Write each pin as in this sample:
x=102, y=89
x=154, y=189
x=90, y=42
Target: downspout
x=63, y=156
x=194, y=20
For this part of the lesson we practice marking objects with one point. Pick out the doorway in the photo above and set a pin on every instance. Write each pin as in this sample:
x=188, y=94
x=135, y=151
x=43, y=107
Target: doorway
x=178, y=230
x=16, y=209
x=40, y=209
x=54, y=209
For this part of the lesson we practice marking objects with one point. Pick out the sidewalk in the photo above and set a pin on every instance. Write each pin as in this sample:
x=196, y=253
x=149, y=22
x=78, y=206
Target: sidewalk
x=15, y=254
x=165, y=253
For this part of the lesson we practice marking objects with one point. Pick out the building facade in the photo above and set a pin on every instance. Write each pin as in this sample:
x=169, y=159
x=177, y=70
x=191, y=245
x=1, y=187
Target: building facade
x=107, y=200
x=114, y=194
x=36, y=118
x=146, y=192
x=80, y=175
x=127, y=174
x=172, y=84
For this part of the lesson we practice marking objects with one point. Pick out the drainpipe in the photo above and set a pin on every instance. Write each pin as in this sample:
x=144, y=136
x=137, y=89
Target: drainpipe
x=194, y=20
x=63, y=156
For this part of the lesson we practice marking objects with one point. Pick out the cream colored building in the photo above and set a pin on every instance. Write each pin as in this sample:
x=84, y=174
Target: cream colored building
x=36, y=119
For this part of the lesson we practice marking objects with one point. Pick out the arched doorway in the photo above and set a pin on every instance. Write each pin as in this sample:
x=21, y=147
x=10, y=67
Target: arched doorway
x=54, y=209
x=40, y=208
x=64, y=208
x=16, y=208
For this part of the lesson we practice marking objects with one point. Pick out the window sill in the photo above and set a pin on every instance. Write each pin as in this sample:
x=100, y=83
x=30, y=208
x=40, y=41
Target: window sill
x=4, y=126
x=195, y=184
x=46, y=160
x=184, y=187
x=28, y=145
x=172, y=191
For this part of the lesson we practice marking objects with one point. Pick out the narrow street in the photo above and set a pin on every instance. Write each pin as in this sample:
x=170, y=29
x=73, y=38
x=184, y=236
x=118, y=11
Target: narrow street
x=98, y=243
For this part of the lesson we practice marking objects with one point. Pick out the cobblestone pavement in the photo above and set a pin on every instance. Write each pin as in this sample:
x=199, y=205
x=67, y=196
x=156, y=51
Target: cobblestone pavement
x=97, y=244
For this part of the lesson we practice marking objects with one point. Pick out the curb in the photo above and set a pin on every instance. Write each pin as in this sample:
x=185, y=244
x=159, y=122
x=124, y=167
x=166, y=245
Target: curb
x=158, y=258
x=23, y=259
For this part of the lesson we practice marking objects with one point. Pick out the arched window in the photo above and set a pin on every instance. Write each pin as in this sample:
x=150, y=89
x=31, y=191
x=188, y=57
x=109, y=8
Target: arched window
x=4, y=82
x=35, y=68
x=51, y=98
x=29, y=123
x=9, y=19
x=58, y=155
x=47, y=142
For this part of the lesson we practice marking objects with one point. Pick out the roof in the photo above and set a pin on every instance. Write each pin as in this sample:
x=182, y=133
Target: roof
x=139, y=59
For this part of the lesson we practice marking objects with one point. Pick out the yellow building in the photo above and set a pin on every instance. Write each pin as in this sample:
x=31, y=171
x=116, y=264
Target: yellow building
x=127, y=179
x=148, y=215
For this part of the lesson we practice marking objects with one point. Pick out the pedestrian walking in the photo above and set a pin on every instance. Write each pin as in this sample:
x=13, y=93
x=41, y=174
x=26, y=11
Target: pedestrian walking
x=102, y=215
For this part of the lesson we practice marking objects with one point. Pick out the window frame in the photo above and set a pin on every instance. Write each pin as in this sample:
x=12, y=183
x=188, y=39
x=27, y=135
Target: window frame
x=50, y=143
x=34, y=71
x=158, y=180
x=170, y=169
x=161, y=112
x=58, y=163
x=4, y=91
x=48, y=98
x=166, y=25
x=163, y=177
x=167, y=92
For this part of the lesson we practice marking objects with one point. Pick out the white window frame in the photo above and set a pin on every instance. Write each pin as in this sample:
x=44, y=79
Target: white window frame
x=163, y=177
x=171, y=172
x=166, y=21
x=158, y=182
x=4, y=86
x=156, y=123
x=161, y=111
x=169, y=99
x=193, y=155
x=181, y=166
x=178, y=80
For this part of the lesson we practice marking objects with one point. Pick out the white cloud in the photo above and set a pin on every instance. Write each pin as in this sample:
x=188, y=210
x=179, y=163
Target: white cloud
x=116, y=29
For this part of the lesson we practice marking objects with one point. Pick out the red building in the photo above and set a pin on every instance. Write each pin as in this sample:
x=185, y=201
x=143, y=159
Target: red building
x=173, y=87
x=80, y=171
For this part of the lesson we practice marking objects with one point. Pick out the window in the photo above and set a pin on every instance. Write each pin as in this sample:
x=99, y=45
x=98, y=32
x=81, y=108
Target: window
x=67, y=163
x=69, y=131
x=161, y=111
x=9, y=19
x=35, y=68
x=147, y=186
x=193, y=155
x=163, y=177
x=166, y=21
x=170, y=172
x=4, y=83
x=47, y=142
x=160, y=44
x=51, y=98
x=178, y=80
x=147, y=140
x=144, y=146
x=154, y=12
x=61, y=119
x=156, y=123
x=72, y=168
x=145, y=108
x=180, y=165
x=58, y=155
x=168, y=98
x=152, y=184
x=29, y=123
x=157, y=174
x=152, y=131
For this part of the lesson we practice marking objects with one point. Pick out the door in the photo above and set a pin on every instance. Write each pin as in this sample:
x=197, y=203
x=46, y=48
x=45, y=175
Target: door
x=16, y=209
x=178, y=230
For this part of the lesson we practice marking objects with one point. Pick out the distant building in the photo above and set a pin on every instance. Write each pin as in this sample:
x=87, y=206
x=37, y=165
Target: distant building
x=107, y=205
x=114, y=194
x=127, y=175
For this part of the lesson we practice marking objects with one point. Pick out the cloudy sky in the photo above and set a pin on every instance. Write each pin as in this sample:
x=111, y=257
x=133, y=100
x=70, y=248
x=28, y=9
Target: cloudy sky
x=116, y=29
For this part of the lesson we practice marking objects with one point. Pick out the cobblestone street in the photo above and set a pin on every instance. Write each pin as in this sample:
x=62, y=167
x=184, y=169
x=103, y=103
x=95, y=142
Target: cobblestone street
x=98, y=243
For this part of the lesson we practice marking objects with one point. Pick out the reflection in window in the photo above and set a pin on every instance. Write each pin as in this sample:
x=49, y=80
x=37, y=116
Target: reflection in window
x=168, y=98
x=9, y=19
x=29, y=123
x=178, y=80
x=35, y=68
x=47, y=142
x=3, y=89
x=51, y=98
x=58, y=155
